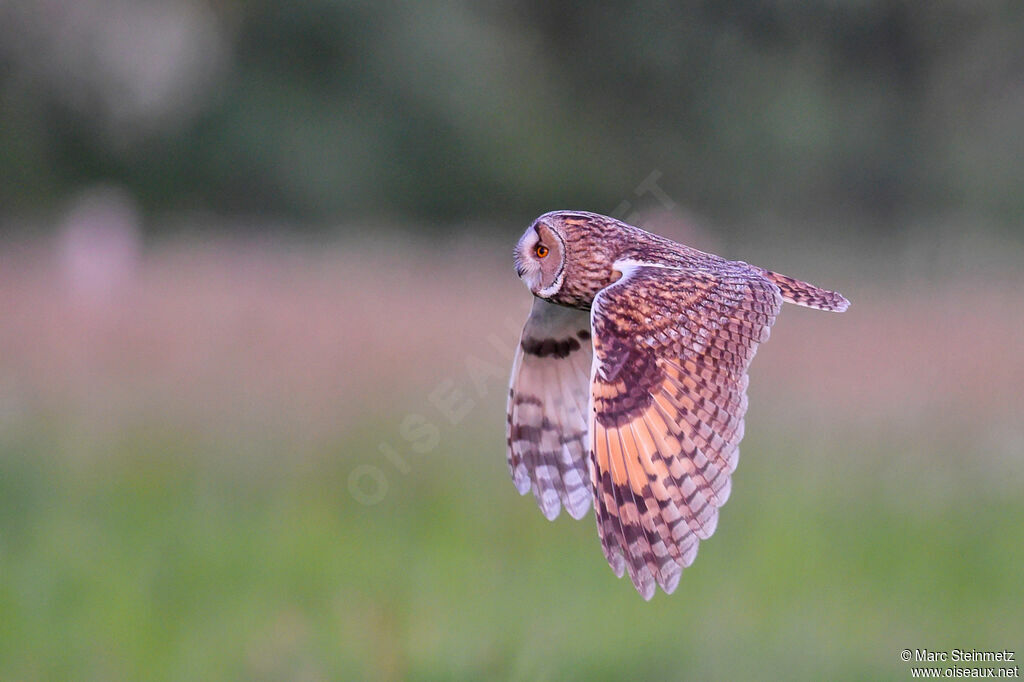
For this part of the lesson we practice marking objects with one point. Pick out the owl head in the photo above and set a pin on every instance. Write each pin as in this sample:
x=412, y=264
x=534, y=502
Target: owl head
x=566, y=256
x=540, y=258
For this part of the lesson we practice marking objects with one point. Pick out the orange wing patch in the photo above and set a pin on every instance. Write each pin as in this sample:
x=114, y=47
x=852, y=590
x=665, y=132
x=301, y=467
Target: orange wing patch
x=665, y=427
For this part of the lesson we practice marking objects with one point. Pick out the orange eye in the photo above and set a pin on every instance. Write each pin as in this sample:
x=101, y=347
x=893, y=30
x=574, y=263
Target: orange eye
x=540, y=250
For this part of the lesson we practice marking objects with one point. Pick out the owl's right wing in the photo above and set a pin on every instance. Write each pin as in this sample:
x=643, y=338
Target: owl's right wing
x=547, y=409
x=671, y=351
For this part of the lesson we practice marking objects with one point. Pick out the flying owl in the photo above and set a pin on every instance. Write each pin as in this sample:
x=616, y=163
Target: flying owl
x=629, y=383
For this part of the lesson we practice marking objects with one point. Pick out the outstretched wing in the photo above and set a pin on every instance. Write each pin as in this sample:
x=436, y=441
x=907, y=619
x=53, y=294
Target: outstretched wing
x=668, y=391
x=547, y=409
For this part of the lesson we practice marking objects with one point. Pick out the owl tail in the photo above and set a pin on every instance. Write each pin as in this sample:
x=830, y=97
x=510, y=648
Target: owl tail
x=802, y=293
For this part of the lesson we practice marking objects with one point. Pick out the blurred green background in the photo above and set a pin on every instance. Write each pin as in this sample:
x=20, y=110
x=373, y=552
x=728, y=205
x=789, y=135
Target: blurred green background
x=257, y=312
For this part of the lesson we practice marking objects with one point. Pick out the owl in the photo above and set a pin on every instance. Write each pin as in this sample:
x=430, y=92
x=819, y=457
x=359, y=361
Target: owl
x=629, y=384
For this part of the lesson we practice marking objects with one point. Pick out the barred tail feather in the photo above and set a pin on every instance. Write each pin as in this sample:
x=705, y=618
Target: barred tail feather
x=808, y=295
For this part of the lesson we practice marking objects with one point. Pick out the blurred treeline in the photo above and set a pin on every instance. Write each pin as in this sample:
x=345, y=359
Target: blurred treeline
x=333, y=111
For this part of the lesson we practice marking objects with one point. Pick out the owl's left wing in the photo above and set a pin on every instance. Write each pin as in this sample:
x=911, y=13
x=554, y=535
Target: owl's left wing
x=547, y=409
x=668, y=385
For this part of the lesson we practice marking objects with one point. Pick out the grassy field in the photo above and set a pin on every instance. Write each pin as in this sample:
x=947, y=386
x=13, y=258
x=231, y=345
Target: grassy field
x=176, y=489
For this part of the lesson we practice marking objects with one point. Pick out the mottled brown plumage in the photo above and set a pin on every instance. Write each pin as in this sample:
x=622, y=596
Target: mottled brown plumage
x=629, y=385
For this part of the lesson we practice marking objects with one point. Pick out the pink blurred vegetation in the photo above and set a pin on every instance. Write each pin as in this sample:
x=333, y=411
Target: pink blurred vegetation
x=309, y=340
